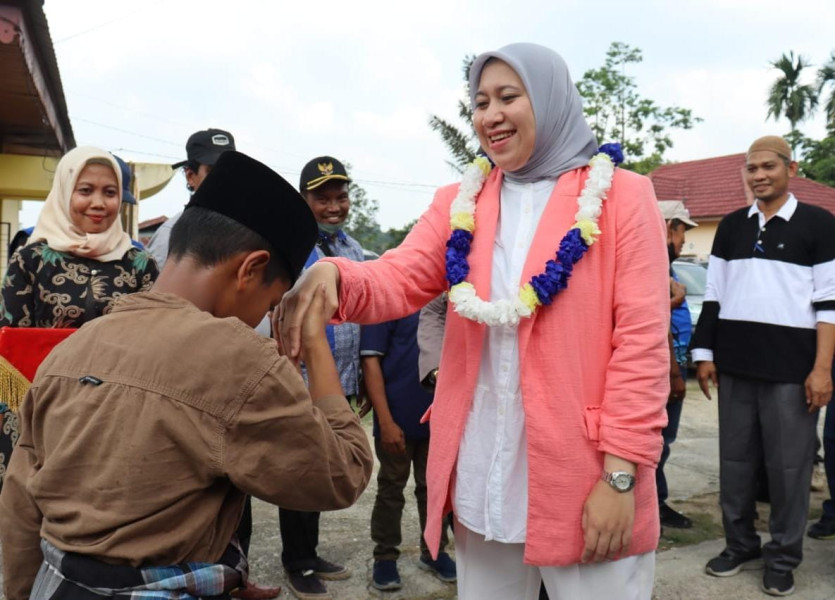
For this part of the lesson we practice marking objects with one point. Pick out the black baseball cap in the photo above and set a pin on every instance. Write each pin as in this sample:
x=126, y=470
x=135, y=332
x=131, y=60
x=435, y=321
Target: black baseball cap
x=205, y=147
x=257, y=197
x=127, y=195
x=322, y=169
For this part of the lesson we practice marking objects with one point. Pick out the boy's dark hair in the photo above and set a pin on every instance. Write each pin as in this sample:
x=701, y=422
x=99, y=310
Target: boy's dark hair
x=210, y=238
x=676, y=222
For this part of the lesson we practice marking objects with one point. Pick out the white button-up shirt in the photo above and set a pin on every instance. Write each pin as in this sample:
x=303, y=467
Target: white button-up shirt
x=491, y=486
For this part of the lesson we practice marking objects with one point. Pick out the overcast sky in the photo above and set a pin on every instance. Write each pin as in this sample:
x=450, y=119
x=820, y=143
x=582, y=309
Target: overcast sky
x=359, y=79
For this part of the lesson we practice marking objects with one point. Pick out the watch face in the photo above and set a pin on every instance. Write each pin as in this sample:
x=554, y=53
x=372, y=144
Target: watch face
x=622, y=481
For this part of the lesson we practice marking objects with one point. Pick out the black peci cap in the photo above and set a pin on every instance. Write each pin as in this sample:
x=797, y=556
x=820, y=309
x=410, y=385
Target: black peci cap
x=322, y=169
x=205, y=147
x=257, y=197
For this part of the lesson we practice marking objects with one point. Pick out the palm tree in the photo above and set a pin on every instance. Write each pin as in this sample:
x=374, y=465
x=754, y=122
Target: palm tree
x=462, y=144
x=788, y=97
x=826, y=77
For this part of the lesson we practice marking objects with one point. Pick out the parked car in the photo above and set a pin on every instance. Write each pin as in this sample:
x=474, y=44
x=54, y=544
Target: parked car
x=694, y=277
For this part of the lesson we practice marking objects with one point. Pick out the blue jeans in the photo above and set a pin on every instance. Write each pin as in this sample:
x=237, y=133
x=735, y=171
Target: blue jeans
x=669, y=434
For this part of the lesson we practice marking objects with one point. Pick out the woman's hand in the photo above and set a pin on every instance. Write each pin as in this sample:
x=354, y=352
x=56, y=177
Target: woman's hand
x=298, y=301
x=608, y=516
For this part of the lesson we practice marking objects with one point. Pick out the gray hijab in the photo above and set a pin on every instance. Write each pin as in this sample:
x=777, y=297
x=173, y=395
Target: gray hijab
x=563, y=138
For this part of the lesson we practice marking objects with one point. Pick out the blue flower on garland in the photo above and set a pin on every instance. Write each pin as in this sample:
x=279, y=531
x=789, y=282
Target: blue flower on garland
x=614, y=151
x=458, y=248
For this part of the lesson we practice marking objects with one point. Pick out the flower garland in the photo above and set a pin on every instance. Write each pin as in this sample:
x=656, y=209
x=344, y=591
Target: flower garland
x=542, y=288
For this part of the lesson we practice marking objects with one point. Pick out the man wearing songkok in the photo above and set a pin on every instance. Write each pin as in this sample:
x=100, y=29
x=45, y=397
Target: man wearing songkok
x=766, y=337
x=143, y=432
x=203, y=148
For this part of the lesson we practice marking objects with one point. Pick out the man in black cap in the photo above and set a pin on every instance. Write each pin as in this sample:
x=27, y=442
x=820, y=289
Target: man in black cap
x=203, y=148
x=144, y=431
x=324, y=184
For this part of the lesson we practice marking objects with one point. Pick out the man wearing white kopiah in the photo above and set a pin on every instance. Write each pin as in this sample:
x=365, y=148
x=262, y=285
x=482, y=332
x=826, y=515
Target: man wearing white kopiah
x=546, y=423
x=766, y=336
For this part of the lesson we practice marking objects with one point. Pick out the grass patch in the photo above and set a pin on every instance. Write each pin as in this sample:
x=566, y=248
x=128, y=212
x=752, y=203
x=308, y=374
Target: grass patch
x=705, y=527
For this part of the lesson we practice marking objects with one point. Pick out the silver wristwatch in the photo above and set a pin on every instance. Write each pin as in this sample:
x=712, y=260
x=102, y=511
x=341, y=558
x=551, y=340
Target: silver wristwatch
x=621, y=481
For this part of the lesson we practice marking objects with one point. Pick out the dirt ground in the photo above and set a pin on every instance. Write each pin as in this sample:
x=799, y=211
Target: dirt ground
x=692, y=473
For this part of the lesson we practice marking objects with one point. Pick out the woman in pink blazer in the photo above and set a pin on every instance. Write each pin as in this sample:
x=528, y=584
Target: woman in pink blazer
x=545, y=431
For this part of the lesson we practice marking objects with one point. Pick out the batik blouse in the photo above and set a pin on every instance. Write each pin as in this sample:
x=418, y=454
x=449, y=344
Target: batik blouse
x=47, y=288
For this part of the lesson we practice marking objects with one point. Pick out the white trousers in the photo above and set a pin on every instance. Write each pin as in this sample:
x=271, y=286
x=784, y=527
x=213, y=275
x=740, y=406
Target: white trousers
x=496, y=571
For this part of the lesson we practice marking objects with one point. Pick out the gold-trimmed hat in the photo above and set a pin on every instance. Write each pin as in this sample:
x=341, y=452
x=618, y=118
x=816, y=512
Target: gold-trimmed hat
x=322, y=169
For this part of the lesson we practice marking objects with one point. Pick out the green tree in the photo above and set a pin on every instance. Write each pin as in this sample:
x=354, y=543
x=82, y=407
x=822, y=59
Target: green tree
x=396, y=235
x=617, y=112
x=826, y=78
x=819, y=160
x=462, y=143
x=790, y=98
x=361, y=223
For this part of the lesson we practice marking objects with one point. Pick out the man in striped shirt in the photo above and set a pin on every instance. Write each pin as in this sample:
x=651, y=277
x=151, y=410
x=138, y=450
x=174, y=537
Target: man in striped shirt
x=765, y=338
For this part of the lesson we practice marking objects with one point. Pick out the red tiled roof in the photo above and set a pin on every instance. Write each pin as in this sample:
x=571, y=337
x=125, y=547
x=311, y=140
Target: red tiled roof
x=713, y=187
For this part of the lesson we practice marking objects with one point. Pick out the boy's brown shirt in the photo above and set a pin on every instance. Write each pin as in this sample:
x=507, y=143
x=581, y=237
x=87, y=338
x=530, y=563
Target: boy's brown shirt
x=151, y=465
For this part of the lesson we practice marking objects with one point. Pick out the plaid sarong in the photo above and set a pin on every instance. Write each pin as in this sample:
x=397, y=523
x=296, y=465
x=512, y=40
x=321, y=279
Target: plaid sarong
x=71, y=576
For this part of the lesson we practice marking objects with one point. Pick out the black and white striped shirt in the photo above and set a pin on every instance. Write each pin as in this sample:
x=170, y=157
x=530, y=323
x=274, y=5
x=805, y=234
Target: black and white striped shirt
x=768, y=285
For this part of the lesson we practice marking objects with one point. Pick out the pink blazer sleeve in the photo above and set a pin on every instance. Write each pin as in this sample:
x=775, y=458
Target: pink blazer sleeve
x=637, y=379
x=405, y=278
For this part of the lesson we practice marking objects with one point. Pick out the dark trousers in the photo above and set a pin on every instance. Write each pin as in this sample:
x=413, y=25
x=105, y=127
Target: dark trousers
x=669, y=434
x=244, y=531
x=387, y=514
x=768, y=422
x=299, y=538
x=829, y=460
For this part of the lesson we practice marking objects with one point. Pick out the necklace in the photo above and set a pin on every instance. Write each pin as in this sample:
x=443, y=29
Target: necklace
x=542, y=288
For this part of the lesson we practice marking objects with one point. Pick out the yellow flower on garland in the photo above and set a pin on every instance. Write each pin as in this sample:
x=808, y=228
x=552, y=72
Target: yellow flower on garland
x=588, y=230
x=528, y=297
x=483, y=164
x=463, y=220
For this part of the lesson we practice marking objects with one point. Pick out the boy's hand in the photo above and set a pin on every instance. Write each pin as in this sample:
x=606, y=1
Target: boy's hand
x=298, y=302
x=313, y=323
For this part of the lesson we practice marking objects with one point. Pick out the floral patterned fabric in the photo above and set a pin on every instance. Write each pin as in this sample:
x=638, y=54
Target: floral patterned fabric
x=47, y=288
x=9, y=432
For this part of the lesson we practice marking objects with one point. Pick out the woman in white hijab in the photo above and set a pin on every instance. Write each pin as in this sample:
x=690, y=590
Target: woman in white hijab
x=551, y=393
x=79, y=259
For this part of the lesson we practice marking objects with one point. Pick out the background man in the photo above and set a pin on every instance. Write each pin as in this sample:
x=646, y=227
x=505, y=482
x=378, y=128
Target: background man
x=324, y=185
x=390, y=370
x=203, y=148
x=766, y=336
x=678, y=221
